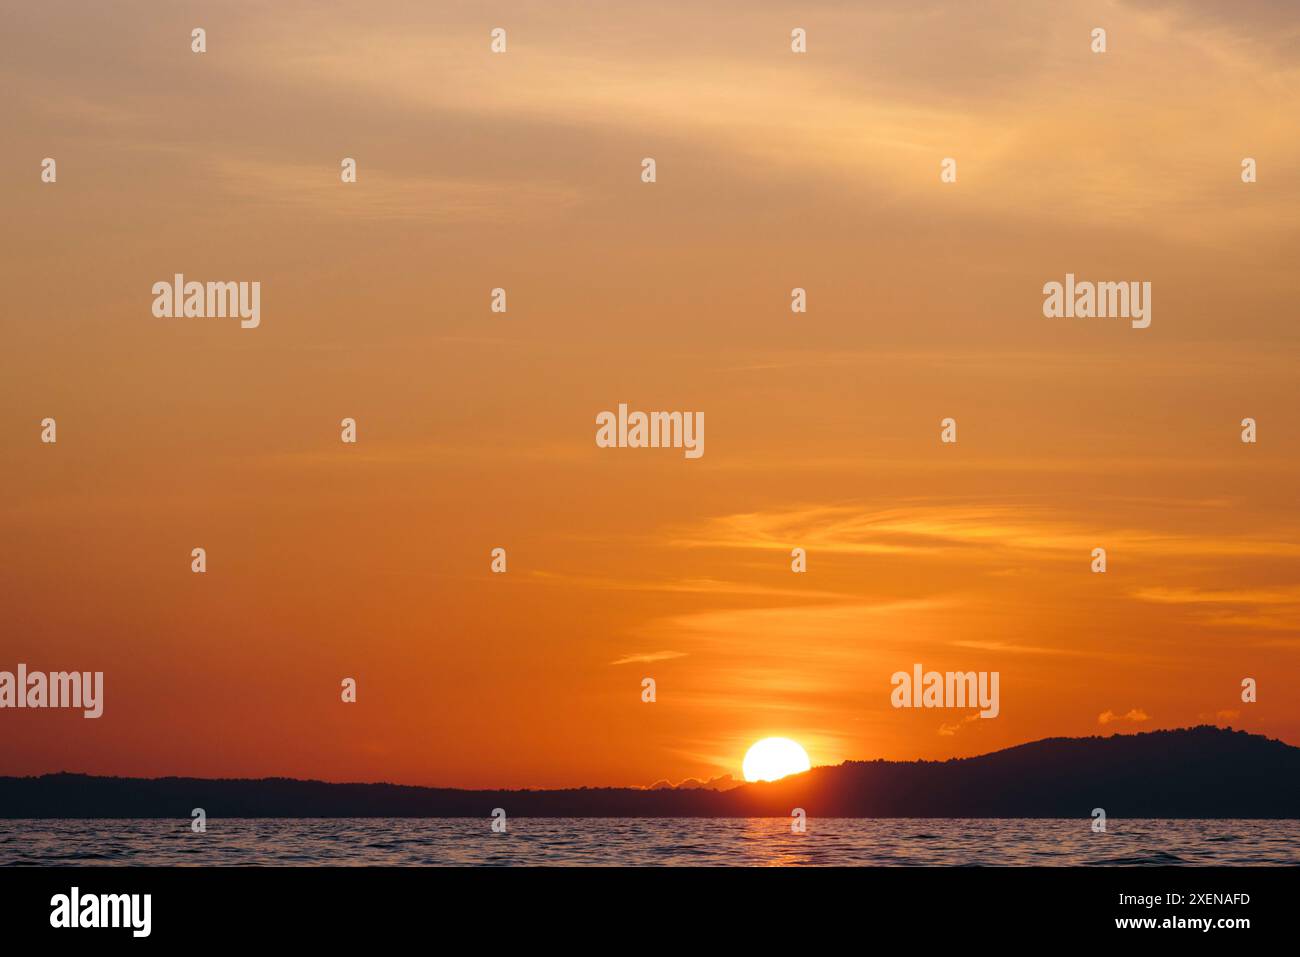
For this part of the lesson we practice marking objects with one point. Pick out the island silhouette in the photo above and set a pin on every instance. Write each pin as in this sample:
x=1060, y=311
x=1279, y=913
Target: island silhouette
x=1201, y=772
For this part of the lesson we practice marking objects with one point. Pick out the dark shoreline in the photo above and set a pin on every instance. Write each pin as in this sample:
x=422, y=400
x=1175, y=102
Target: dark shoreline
x=1202, y=772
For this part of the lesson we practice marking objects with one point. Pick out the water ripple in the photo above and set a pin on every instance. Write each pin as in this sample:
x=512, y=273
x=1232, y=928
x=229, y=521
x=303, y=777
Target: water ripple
x=648, y=841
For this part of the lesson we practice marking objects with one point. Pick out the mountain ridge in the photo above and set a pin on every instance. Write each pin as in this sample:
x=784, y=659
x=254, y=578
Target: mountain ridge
x=1200, y=772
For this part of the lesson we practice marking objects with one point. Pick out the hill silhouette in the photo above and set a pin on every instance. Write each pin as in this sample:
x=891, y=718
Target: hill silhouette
x=1202, y=772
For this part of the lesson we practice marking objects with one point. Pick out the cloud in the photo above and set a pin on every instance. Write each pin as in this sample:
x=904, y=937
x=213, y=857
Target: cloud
x=648, y=657
x=927, y=87
x=1016, y=649
x=948, y=730
x=687, y=586
x=931, y=529
x=381, y=194
x=1248, y=608
x=917, y=529
x=1135, y=715
x=1289, y=595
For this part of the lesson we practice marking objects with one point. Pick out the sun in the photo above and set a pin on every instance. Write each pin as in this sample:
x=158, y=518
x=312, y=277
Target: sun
x=774, y=758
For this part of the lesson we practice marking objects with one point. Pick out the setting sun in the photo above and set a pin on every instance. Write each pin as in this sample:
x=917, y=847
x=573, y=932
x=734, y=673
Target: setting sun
x=774, y=758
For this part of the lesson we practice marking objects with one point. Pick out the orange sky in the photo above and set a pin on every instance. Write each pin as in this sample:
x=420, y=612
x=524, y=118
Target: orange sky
x=477, y=430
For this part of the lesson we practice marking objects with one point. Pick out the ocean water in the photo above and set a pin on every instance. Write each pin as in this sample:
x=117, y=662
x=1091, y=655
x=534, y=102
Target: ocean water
x=648, y=841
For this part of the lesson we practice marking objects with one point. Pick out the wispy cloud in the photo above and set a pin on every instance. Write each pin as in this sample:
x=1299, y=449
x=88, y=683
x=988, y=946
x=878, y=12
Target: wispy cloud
x=689, y=586
x=927, y=528
x=381, y=194
x=949, y=730
x=1287, y=595
x=1017, y=649
x=648, y=657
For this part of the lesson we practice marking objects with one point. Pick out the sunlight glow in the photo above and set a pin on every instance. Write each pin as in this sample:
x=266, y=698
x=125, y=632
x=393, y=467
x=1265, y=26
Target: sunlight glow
x=774, y=758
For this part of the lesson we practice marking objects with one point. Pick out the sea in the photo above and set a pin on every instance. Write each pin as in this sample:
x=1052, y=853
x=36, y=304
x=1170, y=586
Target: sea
x=750, y=842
